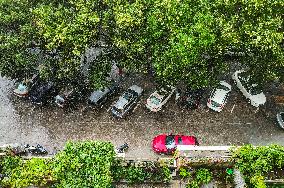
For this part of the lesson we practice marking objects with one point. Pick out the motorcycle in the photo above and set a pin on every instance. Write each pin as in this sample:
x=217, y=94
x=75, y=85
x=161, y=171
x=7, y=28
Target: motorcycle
x=38, y=149
x=122, y=148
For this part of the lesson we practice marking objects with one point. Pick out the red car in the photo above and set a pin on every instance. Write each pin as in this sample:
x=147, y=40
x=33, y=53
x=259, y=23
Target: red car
x=166, y=144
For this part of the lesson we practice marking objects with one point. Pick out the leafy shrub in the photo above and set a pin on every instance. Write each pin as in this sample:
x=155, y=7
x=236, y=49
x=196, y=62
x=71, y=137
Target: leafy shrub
x=203, y=176
x=257, y=181
x=87, y=164
x=21, y=173
x=184, y=173
x=195, y=180
x=149, y=171
x=255, y=162
x=135, y=174
x=9, y=163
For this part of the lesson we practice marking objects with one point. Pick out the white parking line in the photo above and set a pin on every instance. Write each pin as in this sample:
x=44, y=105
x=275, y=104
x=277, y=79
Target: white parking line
x=109, y=108
x=233, y=108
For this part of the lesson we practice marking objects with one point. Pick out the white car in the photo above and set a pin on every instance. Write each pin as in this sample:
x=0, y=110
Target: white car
x=219, y=96
x=159, y=98
x=250, y=91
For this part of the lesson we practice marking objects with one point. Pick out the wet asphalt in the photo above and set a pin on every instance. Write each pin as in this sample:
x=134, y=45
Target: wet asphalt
x=239, y=123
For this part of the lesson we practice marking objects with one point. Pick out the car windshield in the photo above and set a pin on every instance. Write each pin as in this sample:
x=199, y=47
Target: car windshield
x=170, y=142
x=190, y=100
x=220, y=86
x=243, y=79
x=129, y=94
x=215, y=104
x=255, y=90
x=282, y=116
x=117, y=109
x=155, y=100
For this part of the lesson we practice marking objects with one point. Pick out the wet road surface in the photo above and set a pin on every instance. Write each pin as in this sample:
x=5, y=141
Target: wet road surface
x=238, y=123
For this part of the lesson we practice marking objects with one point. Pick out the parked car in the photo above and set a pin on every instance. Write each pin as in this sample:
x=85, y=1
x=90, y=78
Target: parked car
x=25, y=86
x=280, y=119
x=127, y=101
x=218, y=97
x=159, y=98
x=167, y=143
x=189, y=99
x=66, y=96
x=99, y=97
x=250, y=91
x=42, y=92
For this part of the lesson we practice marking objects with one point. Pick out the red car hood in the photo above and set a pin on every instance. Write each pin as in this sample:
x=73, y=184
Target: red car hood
x=188, y=140
x=159, y=143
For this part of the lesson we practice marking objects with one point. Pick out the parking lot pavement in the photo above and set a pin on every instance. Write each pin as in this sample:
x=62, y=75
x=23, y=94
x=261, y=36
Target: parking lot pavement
x=51, y=127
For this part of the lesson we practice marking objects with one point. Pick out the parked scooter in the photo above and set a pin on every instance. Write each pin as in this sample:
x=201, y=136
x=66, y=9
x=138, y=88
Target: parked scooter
x=25, y=149
x=122, y=148
x=38, y=149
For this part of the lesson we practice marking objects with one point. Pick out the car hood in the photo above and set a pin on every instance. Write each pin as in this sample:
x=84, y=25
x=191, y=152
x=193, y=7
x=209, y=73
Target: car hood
x=279, y=116
x=152, y=97
x=259, y=98
x=137, y=89
x=159, y=143
x=188, y=140
x=96, y=95
x=219, y=95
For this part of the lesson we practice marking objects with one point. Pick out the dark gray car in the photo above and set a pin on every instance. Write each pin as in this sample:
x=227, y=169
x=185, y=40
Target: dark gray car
x=99, y=97
x=127, y=101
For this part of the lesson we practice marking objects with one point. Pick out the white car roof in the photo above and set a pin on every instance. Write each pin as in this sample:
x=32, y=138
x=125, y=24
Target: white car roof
x=219, y=95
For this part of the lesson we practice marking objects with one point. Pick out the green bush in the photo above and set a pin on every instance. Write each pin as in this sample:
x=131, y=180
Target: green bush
x=22, y=173
x=203, y=176
x=150, y=171
x=255, y=162
x=196, y=179
x=87, y=164
x=184, y=173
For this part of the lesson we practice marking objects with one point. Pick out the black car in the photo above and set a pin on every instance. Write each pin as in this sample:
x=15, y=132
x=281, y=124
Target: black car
x=189, y=99
x=65, y=97
x=42, y=92
x=99, y=97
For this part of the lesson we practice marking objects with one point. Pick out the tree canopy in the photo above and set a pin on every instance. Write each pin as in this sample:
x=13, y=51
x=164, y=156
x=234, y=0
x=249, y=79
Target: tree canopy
x=179, y=41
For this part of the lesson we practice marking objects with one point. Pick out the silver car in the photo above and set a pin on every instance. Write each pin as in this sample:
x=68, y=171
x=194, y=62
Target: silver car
x=280, y=119
x=127, y=101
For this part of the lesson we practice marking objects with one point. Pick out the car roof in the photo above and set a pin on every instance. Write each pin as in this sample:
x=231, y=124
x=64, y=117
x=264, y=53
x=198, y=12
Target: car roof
x=121, y=103
x=96, y=95
x=219, y=95
x=136, y=88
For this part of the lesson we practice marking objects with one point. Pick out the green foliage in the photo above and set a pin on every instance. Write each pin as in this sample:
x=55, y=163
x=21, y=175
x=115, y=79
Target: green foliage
x=84, y=163
x=9, y=163
x=180, y=41
x=196, y=179
x=183, y=33
x=150, y=171
x=135, y=174
x=99, y=71
x=184, y=173
x=16, y=33
x=255, y=28
x=203, y=176
x=124, y=23
x=193, y=184
x=21, y=173
x=256, y=162
x=257, y=181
